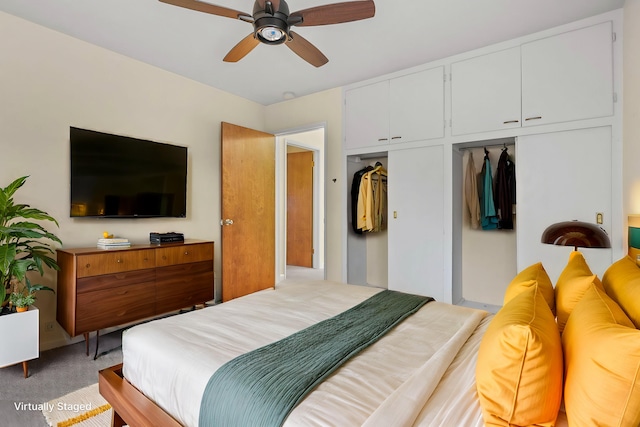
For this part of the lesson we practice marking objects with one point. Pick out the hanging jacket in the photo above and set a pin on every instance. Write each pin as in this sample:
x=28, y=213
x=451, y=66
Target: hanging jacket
x=488, y=215
x=471, y=192
x=355, y=192
x=505, y=196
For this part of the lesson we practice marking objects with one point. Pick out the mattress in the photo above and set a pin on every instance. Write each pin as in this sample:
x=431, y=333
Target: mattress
x=419, y=374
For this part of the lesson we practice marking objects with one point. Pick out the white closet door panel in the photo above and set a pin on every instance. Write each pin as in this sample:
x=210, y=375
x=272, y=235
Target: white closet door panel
x=562, y=176
x=485, y=92
x=568, y=76
x=416, y=105
x=416, y=235
x=367, y=115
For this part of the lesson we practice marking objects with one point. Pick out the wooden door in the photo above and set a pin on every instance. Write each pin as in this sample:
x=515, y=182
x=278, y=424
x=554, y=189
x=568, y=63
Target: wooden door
x=248, y=210
x=300, y=209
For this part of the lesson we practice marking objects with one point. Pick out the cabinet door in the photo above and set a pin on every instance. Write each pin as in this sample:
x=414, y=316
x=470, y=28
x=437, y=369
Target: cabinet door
x=367, y=115
x=485, y=93
x=416, y=106
x=568, y=76
x=416, y=221
x=562, y=176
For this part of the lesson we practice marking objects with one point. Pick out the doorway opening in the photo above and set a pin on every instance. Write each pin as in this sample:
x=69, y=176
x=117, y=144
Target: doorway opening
x=310, y=142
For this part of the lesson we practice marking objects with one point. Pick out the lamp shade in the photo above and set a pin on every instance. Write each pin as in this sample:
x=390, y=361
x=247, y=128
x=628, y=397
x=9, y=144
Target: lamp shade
x=577, y=234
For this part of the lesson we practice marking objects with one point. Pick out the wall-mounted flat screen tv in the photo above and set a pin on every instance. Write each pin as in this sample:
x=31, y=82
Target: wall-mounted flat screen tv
x=115, y=176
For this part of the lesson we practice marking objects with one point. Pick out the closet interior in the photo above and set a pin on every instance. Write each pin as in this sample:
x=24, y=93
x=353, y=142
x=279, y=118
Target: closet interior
x=483, y=257
x=367, y=250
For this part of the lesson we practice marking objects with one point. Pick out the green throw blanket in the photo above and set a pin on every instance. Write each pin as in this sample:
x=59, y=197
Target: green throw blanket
x=261, y=388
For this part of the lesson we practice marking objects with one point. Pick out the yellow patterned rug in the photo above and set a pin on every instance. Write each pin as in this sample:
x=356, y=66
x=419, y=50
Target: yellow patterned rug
x=82, y=408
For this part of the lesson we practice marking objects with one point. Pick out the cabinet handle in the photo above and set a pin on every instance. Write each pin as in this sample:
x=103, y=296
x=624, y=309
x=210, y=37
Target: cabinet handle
x=186, y=252
x=383, y=139
x=88, y=266
x=532, y=118
x=396, y=137
x=511, y=121
x=118, y=260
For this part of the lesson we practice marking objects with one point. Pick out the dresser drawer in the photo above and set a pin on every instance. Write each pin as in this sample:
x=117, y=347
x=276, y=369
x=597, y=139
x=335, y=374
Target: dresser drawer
x=115, y=306
x=184, y=254
x=183, y=286
x=115, y=261
x=116, y=280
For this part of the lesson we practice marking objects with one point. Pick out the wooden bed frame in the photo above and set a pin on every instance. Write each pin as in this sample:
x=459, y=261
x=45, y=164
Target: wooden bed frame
x=129, y=405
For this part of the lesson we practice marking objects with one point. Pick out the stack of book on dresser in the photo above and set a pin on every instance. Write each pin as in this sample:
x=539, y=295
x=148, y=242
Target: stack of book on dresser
x=113, y=243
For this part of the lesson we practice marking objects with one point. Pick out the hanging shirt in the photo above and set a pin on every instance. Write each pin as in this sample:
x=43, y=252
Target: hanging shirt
x=505, y=190
x=488, y=215
x=471, y=192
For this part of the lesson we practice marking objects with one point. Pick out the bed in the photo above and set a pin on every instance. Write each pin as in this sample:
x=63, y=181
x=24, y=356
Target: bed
x=421, y=373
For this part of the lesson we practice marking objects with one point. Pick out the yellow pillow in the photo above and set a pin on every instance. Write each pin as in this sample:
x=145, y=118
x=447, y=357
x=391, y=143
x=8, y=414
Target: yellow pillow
x=519, y=368
x=572, y=283
x=602, y=357
x=621, y=282
x=528, y=277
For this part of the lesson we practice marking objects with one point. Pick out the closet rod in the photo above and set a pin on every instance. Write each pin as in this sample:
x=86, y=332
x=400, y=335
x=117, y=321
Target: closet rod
x=503, y=145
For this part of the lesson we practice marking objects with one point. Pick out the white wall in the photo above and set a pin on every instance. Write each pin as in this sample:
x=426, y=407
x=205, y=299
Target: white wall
x=631, y=113
x=50, y=81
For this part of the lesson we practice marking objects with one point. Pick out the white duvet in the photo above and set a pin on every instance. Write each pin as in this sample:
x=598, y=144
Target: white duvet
x=420, y=374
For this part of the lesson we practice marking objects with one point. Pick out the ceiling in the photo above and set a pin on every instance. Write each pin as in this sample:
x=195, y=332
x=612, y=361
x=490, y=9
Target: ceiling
x=403, y=33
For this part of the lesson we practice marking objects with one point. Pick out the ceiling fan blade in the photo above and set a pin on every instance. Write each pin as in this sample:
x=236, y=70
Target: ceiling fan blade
x=241, y=50
x=305, y=50
x=336, y=13
x=210, y=8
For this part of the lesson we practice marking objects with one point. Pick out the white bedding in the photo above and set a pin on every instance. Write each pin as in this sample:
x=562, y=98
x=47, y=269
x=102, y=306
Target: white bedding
x=421, y=373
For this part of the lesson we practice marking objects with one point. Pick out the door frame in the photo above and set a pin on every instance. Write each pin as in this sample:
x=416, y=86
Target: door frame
x=288, y=137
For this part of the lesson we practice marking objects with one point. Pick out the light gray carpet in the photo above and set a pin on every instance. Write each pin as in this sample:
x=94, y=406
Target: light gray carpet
x=57, y=372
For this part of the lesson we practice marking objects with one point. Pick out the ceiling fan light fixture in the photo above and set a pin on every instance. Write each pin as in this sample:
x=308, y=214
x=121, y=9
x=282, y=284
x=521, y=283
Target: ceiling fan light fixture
x=271, y=34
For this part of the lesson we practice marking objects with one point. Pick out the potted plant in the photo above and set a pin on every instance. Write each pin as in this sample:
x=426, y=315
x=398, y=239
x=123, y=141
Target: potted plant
x=23, y=245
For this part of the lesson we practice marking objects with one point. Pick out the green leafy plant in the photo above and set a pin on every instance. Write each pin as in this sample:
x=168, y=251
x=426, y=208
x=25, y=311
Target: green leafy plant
x=23, y=244
x=18, y=299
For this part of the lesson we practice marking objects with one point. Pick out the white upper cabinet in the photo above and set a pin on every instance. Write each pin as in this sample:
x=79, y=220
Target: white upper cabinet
x=416, y=106
x=402, y=109
x=367, y=115
x=485, y=92
x=557, y=79
x=568, y=77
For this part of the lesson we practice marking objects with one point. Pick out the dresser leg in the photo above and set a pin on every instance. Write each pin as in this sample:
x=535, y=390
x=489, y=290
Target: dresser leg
x=86, y=342
x=25, y=369
x=95, y=356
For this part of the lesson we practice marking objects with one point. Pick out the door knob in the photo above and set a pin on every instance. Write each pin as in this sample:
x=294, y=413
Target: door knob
x=226, y=221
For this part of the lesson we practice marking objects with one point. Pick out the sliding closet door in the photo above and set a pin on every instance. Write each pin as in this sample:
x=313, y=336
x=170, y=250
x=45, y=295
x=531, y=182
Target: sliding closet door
x=416, y=221
x=562, y=176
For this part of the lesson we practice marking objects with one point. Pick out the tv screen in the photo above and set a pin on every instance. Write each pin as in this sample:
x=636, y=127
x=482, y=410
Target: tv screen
x=116, y=176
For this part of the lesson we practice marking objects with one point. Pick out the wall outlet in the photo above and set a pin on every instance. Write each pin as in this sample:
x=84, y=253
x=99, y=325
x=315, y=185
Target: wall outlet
x=48, y=326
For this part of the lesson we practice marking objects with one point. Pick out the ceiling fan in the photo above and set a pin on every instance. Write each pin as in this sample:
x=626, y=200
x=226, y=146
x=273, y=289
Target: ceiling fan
x=272, y=24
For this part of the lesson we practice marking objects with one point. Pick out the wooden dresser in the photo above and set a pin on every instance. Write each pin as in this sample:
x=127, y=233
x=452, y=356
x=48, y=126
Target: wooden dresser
x=101, y=288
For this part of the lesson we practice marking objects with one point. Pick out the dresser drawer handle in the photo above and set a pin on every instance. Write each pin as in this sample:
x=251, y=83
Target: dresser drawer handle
x=118, y=260
x=186, y=252
x=88, y=266
x=122, y=313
